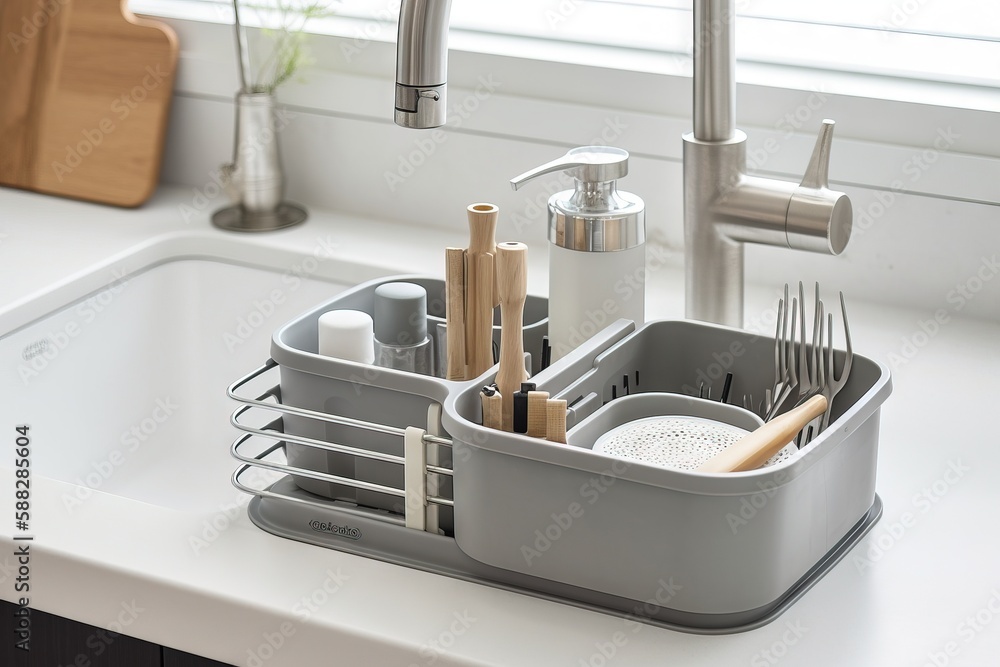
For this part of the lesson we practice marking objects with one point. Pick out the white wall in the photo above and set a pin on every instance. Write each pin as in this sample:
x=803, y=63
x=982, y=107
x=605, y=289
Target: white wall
x=927, y=218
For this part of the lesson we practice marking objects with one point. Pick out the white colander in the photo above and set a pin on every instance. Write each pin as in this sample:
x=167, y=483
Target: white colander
x=680, y=442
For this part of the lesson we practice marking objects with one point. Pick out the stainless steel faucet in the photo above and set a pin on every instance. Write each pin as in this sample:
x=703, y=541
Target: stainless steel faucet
x=724, y=207
x=422, y=63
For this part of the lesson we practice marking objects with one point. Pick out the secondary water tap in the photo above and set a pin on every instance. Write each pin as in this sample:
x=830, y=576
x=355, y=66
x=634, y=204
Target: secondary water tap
x=724, y=207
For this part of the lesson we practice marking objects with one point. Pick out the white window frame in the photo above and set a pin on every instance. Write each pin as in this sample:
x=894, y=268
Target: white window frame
x=889, y=128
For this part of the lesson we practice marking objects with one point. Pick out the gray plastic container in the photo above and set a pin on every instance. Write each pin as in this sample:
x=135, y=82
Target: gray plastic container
x=381, y=395
x=705, y=551
x=705, y=545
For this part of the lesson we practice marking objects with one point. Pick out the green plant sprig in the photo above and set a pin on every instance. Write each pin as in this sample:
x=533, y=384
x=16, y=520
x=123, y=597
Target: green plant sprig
x=288, y=53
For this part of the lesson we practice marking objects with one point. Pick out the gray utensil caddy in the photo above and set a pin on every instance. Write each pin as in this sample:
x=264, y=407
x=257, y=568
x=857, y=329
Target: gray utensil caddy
x=696, y=552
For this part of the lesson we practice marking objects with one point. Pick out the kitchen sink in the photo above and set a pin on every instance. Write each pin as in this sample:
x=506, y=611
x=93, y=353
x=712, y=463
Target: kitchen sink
x=124, y=389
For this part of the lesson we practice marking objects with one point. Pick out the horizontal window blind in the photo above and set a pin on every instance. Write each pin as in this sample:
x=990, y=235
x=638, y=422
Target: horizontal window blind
x=939, y=40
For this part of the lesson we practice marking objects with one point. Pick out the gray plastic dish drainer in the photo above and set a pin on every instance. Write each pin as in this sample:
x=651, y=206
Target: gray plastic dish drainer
x=696, y=552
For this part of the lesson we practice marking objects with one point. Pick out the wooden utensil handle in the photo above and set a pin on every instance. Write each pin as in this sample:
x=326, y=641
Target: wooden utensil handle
x=537, y=413
x=482, y=238
x=479, y=313
x=512, y=274
x=555, y=420
x=455, y=312
x=492, y=410
x=482, y=227
x=755, y=448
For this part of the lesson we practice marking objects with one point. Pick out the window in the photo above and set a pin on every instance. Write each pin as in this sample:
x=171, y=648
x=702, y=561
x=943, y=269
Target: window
x=941, y=40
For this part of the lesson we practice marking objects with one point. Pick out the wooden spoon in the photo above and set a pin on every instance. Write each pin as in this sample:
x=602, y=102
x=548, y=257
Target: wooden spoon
x=754, y=449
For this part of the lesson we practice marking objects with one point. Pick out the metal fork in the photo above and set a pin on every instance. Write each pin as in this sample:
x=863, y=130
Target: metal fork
x=835, y=384
x=786, y=375
x=800, y=370
x=828, y=383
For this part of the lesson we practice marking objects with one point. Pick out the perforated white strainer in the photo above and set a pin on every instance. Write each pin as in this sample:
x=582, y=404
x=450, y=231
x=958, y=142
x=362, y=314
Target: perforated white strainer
x=676, y=441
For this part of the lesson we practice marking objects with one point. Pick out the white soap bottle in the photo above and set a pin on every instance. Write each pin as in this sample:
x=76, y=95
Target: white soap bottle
x=597, y=247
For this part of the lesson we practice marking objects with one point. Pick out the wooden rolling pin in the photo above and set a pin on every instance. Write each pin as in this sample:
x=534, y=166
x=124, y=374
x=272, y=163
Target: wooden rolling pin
x=754, y=449
x=512, y=277
x=480, y=288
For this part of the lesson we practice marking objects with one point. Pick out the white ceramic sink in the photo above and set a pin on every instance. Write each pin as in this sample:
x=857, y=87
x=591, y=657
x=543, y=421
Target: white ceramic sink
x=124, y=390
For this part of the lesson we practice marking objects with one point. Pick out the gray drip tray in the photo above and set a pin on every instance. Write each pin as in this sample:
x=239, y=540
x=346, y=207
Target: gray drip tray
x=349, y=530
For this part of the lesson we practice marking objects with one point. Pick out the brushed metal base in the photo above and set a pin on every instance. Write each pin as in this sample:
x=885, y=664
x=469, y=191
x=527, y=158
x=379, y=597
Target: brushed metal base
x=237, y=219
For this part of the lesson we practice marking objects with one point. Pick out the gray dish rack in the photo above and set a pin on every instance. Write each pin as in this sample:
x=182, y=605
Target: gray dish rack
x=397, y=467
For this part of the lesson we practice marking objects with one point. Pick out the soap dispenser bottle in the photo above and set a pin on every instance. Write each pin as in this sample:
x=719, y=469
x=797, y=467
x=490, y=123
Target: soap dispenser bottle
x=597, y=251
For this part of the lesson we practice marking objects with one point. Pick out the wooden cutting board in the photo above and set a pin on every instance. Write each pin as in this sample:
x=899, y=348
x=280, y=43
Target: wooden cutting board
x=85, y=90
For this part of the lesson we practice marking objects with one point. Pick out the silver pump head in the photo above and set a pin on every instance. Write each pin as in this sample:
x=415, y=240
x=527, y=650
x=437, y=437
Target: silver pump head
x=594, y=216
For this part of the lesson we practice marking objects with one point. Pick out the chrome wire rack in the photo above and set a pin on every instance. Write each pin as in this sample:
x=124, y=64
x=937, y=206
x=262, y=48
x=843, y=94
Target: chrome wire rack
x=422, y=473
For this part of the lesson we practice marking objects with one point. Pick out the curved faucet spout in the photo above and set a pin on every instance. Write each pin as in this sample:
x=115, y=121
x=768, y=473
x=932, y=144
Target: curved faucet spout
x=422, y=63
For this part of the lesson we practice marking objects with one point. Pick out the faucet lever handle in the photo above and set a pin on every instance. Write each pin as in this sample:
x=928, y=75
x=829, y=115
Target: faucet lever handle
x=819, y=219
x=818, y=172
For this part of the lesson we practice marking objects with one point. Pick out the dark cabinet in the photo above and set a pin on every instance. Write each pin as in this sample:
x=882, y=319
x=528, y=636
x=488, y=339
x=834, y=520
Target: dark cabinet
x=57, y=641
x=172, y=658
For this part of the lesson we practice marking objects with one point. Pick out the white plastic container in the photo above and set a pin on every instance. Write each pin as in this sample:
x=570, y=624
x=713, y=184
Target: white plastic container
x=597, y=251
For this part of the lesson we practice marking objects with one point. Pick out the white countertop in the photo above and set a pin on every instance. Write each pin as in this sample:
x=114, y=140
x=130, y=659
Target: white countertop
x=922, y=588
